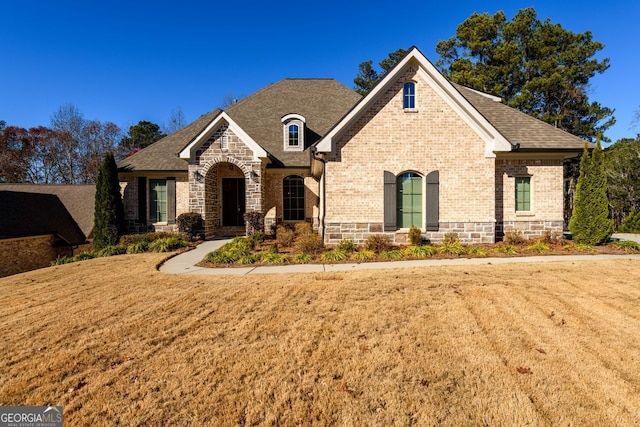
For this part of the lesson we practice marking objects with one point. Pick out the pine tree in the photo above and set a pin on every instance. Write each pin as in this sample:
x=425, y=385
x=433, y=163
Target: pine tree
x=590, y=223
x=631, y=223
x=109, y=210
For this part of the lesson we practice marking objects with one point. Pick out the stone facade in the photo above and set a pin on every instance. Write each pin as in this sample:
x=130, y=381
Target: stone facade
x=432, y=137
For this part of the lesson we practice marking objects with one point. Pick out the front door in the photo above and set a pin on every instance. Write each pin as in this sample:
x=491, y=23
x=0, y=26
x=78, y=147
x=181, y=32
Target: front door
x=233, y=202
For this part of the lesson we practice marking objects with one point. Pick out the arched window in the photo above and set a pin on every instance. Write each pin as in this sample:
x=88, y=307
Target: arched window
x=293, y=198
x=409, y=200
x=409, y=96
x=294, y=136
x=293, y=126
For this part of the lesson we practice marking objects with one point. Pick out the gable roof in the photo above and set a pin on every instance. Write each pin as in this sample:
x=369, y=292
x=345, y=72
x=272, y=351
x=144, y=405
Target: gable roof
x=520, y=128
x=503, y=128
x=27, y=214
x=322, y=102
x=162, y=155
x=78, y=200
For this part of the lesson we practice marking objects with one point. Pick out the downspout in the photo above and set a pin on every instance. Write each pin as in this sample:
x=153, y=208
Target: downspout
x=321, y=207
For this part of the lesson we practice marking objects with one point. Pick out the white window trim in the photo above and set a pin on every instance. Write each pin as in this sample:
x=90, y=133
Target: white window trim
x=287, y=121
x=415, y=97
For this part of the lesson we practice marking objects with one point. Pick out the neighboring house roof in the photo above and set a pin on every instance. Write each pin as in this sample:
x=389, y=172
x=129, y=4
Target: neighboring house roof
x=521, y=128
x=78, y=199
x=25, y=214
x=322, y=102
x=162, y=155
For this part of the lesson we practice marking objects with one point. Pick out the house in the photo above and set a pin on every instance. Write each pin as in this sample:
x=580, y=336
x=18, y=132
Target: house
x=39, y=223
x=417, y=150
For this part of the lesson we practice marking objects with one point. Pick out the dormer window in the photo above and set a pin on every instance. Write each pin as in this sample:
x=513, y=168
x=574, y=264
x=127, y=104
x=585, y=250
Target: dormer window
x=409, y=96
x=293, y=127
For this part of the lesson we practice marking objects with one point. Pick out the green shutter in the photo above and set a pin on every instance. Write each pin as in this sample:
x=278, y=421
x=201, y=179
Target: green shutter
x=432, y=201
x=171, y=200
x=389, y=201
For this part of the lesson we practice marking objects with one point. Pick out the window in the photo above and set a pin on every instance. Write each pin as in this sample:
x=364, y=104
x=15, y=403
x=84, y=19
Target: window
x=293, y=127
x=158, y=200
x=409, y=96
x=294, y=136
x=409, y=196
x=224, y=142
x=523, y=194
x=293, y=198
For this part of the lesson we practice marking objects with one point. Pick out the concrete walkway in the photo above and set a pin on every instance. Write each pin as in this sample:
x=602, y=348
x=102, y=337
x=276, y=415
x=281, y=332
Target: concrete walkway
x=185, y=263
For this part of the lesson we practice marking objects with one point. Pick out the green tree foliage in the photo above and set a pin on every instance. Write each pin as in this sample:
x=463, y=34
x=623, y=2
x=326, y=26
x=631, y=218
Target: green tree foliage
x=590, y=223
x=141, y=135
x=109, y=211
x=622, y=165
x=631, y=223
x=536, y=66
x=368, y=77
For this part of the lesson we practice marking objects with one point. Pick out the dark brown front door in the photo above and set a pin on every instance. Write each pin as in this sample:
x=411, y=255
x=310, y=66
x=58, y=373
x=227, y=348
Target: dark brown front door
x=233, y=202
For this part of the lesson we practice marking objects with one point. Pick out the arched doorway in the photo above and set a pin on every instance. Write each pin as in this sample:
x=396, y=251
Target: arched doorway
x=225, y=200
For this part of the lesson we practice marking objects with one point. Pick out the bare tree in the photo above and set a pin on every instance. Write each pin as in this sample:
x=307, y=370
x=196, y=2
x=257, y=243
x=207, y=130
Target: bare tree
x=176, y=121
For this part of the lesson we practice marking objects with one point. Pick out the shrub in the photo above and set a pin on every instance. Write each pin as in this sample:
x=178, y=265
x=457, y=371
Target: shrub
x=285, y=236
x=455, y=248
x=303, y=228
x=334, y=255
x=628, y=245
x=477, y=251
x=191, y=224
x=631, y=223
x=505, y=248
x=168, y=243
x=347, y=245
x=451, y=238
x=378, y=243
x=415, y=236
x=514, y=237
x=137, y=248
x=419, y=251
x=62, y=260
x=550, y=237
x=254, y=222
x=248, y=259
x=109, y=211
x=219, y=257
x=538, y=247
x=111, y=250
x=256, y=238
x=363, y=255
x=302, y=258
x=271, y=258
x=310, y=243
x=590, y=221
x=83, y=256
x=130, y=239
x=393, y=254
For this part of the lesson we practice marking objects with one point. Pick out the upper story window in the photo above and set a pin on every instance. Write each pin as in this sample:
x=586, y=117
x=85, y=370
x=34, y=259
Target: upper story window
x=293, y=132
x=409, y=96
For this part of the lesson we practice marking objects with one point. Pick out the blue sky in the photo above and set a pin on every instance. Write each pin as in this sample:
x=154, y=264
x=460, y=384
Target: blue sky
x=126, y=61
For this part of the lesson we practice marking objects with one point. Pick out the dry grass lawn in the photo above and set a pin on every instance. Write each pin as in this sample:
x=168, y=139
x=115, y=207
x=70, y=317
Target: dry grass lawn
x=117, y=342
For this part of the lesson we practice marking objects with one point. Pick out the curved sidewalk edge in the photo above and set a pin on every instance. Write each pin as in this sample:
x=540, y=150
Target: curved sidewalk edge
x=186, y=263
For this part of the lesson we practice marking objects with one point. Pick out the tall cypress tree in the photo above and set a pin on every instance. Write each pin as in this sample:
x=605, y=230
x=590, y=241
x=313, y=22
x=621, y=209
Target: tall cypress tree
x=590, y=223
x=109, y=210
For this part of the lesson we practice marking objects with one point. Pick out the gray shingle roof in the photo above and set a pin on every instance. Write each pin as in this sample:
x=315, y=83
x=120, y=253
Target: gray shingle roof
x=162, y=155
x=79, y=200
x=25, y=214
x=518, y=127
x=322, y=102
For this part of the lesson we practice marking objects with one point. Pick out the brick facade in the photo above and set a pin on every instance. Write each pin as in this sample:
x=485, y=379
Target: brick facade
x=29, y=253
x=547, y=196
x=433, y=137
